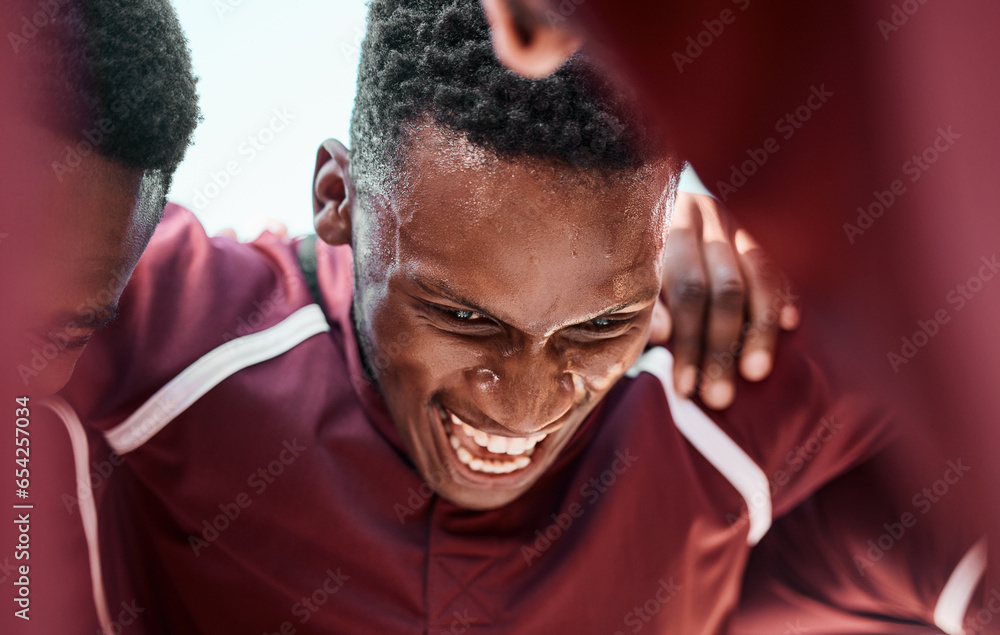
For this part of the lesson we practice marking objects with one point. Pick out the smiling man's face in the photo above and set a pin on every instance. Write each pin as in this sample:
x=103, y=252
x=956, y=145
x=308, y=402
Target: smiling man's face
x=522, y=292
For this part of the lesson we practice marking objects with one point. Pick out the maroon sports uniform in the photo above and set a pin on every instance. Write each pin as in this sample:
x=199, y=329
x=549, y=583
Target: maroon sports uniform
x=264, y=489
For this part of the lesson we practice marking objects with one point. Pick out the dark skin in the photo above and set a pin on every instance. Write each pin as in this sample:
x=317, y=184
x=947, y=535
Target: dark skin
x=519, y=321
x=727, y=302
x=726, y=308
x=73, y=242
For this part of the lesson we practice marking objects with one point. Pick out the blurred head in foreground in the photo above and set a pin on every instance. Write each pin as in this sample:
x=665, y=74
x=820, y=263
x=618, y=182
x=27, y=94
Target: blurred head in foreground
x=508, y=239
x=98, y=107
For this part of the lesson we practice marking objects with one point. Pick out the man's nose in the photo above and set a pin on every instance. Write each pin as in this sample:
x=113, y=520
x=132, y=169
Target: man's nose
x=525, y=391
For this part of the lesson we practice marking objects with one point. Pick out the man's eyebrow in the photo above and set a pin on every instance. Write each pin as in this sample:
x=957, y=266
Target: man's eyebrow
x=639, y=299
x=443, y=289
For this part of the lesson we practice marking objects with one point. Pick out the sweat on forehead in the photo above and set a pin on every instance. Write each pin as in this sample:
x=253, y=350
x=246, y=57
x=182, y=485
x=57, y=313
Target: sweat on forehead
x=428, y=148
x=451, y=194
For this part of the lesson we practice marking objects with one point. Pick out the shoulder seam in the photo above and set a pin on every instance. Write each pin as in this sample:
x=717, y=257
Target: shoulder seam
x=713, y=443
x=211, y=369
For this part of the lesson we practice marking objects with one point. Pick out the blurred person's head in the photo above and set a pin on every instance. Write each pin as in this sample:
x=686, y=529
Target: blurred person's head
x=98, y=109
x=533, y=38
x=508, y=240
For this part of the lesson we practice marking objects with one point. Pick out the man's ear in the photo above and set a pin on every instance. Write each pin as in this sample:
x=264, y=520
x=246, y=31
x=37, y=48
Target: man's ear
x=525, y=40
x=334, y=195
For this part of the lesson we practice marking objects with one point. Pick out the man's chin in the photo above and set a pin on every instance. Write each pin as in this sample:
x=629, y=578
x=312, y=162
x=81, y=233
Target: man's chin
x=455, y=483
x=473, y=477
x=475, y=499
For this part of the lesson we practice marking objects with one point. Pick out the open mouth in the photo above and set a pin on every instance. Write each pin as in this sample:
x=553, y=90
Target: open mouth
x=488, y=453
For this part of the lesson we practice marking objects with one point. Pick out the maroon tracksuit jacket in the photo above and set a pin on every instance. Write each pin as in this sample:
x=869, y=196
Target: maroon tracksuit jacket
x=251, y=480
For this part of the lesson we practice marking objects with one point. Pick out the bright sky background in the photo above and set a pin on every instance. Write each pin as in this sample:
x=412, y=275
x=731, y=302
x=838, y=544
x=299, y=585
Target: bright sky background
x=256, y=57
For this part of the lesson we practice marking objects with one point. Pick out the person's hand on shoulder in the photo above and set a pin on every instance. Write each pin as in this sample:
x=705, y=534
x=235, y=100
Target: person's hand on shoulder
x=722, y=302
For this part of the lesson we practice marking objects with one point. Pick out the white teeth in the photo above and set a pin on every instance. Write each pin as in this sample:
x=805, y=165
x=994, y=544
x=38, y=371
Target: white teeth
x=491, y=467
x=481, y=438
x=514, y=447
x=466, y=428
x=497, y=445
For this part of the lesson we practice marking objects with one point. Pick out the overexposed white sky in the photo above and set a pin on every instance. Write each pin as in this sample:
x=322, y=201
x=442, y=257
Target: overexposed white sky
x=276, y=80
x=257, y=58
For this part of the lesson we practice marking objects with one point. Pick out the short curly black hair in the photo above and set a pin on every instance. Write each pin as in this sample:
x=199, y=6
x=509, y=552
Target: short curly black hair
x=116, y=74
x=434, y=59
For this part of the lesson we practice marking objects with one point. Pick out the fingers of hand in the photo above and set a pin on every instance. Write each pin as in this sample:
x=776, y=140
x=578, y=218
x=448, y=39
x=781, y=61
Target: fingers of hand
x=771, y=307
x=727, y=302
x=660, y=325
x=686, y=287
